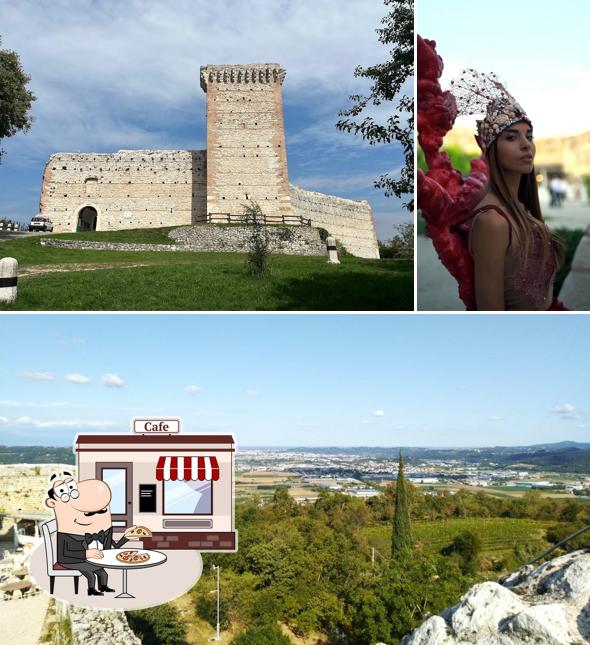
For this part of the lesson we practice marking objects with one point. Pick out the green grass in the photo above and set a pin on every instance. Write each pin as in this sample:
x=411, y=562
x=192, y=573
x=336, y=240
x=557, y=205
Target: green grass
x=499, y=535
x=201, y=281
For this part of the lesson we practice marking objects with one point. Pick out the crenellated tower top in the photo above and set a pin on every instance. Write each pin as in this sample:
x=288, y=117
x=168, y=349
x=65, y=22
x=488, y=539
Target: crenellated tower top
x=254, y=73
x=246, y=156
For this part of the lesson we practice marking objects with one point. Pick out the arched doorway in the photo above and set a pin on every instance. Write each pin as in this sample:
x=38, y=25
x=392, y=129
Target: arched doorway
x=87, y=219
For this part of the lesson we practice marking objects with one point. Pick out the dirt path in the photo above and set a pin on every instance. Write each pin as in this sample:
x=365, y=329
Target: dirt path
x=40, y=269
x=22, y=619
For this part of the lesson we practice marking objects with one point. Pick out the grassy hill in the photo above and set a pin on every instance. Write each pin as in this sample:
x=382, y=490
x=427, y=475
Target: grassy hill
x=68, y=279
x=498, y=535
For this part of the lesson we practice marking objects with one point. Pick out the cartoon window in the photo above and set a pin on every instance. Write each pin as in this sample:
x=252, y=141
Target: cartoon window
x=187, y=498
x=188, y=484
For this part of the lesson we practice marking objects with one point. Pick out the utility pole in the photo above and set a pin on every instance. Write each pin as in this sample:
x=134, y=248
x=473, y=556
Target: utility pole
x=217, y=637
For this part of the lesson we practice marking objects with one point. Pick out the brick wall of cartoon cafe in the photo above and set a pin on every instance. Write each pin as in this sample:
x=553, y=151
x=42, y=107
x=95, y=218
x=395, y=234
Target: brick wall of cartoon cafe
x=180, y=486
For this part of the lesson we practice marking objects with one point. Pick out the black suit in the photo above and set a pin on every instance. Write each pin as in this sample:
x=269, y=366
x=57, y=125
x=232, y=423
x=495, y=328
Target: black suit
x=71, y=553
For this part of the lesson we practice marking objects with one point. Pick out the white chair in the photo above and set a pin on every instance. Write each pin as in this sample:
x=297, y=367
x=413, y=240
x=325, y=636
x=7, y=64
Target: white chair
x=55, y=570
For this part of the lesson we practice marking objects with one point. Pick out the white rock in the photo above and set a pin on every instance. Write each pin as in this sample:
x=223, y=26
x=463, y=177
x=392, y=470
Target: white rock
x=545, y=624
x=491, y=614
x=482, y=609
x=431, y=632
x=566, y=577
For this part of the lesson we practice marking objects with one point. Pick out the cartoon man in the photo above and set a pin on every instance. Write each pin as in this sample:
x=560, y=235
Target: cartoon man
x=83, y=526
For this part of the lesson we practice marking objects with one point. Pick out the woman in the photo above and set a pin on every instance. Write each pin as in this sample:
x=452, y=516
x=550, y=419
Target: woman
x=515, y=255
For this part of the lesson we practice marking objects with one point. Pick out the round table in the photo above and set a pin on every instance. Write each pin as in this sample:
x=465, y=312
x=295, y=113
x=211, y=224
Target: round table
x=110, y=562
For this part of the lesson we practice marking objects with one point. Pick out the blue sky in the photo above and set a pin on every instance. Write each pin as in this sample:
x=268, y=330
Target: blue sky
x=538, y=49
x=309, y=380
x=111, y=75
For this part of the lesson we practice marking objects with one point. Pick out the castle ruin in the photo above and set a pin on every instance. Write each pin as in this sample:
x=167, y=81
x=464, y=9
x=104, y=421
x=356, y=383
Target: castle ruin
x=245, y=161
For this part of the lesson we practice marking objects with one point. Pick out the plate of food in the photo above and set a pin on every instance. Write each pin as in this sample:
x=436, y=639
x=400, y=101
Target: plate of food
x=133, y=557
x=138, y=531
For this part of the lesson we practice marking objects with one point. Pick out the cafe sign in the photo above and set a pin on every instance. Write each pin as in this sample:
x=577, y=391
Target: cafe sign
x=156, y=425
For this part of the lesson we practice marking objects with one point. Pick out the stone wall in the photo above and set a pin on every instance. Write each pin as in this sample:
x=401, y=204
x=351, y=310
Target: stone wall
x=349, y=221
x=126, y=189
x=292, y=240
x=246, y=156
x=23, y=487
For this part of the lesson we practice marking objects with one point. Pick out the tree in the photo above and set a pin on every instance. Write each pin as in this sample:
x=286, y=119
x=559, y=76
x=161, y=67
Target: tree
x=387, y=81
x=402, y=539
x=401, y=245
x=258, y=255
x=160, y=625
x=283, y=504
x=15, y=98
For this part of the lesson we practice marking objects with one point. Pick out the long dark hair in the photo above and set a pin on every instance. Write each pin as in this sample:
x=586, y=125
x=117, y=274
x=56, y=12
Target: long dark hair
x=524, y=207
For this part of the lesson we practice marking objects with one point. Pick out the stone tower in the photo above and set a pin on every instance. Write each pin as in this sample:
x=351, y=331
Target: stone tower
x=246, y=156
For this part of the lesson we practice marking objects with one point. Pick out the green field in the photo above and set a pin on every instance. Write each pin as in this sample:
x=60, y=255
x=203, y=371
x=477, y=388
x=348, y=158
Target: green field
x=498, y=535
x=68, y=279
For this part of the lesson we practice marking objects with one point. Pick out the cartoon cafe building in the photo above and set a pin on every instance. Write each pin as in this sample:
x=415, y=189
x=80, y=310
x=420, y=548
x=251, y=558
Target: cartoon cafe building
x=178, y=485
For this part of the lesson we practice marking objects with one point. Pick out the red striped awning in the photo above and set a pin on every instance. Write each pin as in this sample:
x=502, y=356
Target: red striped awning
x=187, y=468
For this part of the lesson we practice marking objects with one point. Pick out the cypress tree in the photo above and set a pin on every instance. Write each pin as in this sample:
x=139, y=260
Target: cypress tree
x=402, y=538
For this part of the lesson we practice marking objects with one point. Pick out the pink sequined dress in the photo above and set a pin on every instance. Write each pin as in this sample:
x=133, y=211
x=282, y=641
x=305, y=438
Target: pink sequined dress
x=528, y=286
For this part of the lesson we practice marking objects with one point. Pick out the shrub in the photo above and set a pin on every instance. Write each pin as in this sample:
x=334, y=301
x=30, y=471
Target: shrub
x=572, y=239
x=268, y=635
x=323, y=234
x=467, y=545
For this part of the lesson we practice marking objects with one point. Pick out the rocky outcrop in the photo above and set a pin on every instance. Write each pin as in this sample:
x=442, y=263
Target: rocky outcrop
x=544, y=605
x=100, y=627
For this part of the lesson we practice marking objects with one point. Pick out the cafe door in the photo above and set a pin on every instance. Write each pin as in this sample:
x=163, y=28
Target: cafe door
x=119, y=477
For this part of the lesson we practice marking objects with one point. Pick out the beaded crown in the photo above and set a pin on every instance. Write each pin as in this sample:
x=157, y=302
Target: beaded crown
x=476, y=93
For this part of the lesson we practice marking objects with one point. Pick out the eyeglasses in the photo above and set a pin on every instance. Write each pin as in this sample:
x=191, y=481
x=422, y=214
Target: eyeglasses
x=65, y=497
x=66, y=490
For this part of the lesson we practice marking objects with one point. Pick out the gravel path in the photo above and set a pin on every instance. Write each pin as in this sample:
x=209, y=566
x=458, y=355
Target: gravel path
x=39, y=269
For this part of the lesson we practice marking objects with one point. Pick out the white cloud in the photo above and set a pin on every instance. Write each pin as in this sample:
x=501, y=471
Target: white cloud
x=193, y=389
x=461, y=388
x=366, y=422
x=80, y=379
x=34, y=404
x=37, y=376
x=379, y=413
x=305, y=424
x=251, y=392
x=94, y=63
x=566, y=411
x=344, y=183
x=3, y=421
x=72, y=342
x=112, y=380
x=67, y=423
x=494, y=418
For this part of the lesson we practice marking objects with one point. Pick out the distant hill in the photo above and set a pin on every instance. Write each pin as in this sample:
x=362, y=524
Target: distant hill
x=36, y=455
x=562, y=456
